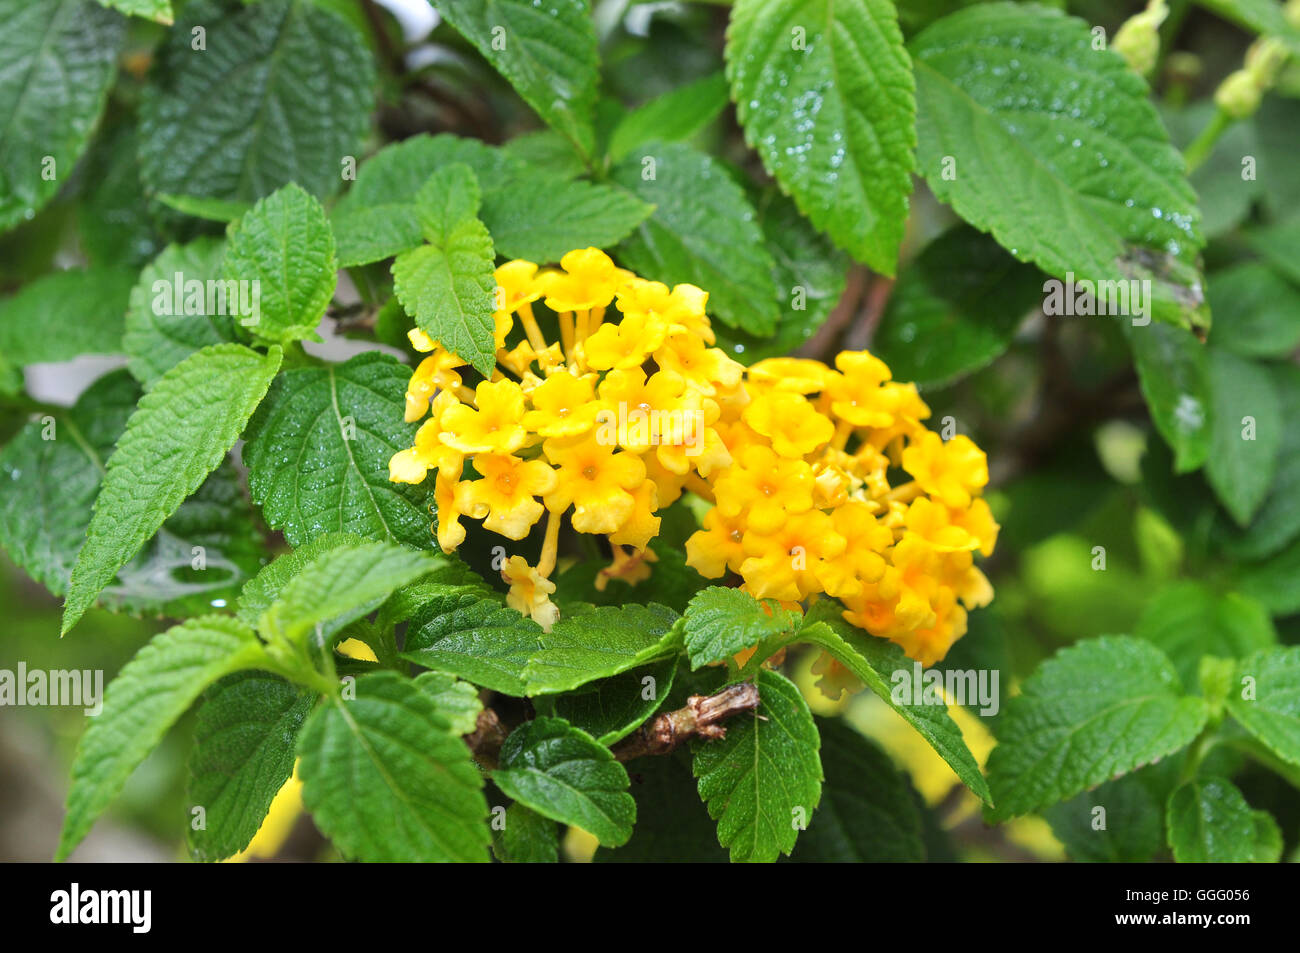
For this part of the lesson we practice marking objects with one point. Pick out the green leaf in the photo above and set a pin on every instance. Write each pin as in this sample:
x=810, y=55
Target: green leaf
x=44, y=530
x=676, y=116
x=1133, y=825
x=1188, y=620
x=178, y=434
x=457, y=701
x=158, y=10
x=612, y=708
x=548, y=55
x=1277, y=134
x=809, y=273
x=1273, y=582
x=1174, y=373
x=64, y=314
x=1246, y=432
x=531, y=212
x=284, y=246
x=1209, y=821
x=386, y=779
x=318, y=451
x=703, y=232
x=117, y=222
x=198, y=559
x=1265, y=698
x=165, y=322
x=1254, y=311
x=207, y=208
x=340, y=586
x=1095, y=710
x=548, y=150
x=478, y=639
x=825, y=94
x=449, y=291
x=1224, y=194
x=393, y=176
x=282, y=93
x=562, y=773
x=1053, y=146
x=60, y=59
x=540, y=217
x=243, y=753
x=148, y=695
x=720, y=621
x=265, y=588
x=450, y=196
x=1278, y=520
x=366, y=235
x=597, y=642
x=764, y=776
x=526, y=838
x=881, y=665
x=672, y=826
x=869, y=811
x=955, y=309
x=1268, y=839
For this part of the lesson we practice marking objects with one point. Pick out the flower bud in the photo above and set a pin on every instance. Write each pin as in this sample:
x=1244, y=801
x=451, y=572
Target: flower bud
x=1238, y=95
x=1138, y=40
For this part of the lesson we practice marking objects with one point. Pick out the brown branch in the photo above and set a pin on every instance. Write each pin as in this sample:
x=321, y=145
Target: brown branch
x=701, y=718
x=486, y=739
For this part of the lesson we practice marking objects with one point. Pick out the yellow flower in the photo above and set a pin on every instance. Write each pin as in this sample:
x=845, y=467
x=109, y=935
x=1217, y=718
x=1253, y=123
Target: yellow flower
x=564, y=405
x=448, y=493
x=784, y=564
x=930, y=521
x=707, y=369
x=951, y=471
x=639, y=413
x=682, y=308
x=630, y=567
x=766, y=488
x=517, y=285
x=595, y=480
x=494, y=427
x=855, y=392
x=433, y=373
x=717, y=547
x=642, y=525
x=413, y=464
x=520, y=358
x=530, y=592
x=796, y=374
x=861, y=561
x=626, y=344
x=836, y=678
x=978, y=521
x=589, y=280
x=504, y=497
x=790, y=422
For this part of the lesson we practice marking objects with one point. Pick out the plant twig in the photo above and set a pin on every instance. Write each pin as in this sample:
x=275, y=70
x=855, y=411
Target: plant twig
x=486, y=739
x=702, y=717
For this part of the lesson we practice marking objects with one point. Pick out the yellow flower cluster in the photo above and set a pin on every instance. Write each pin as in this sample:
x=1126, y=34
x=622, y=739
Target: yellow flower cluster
x=807, y=506
x=610, y=422
x=619, y=417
